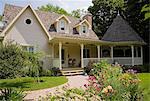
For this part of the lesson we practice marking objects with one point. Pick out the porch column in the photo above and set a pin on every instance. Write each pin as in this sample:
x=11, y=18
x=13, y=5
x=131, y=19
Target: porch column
x=112, y=54
x=142, y=54
x=132, y=50
x=60, y=54
x=82, y=47
x=53, y=51
x=98, y=51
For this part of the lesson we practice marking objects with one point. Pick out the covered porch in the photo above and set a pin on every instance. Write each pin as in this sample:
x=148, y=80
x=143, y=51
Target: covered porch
x=69, y=53
x=124, y=55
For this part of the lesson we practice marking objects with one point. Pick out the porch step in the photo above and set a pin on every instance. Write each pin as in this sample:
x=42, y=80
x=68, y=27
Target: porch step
x=72, y=72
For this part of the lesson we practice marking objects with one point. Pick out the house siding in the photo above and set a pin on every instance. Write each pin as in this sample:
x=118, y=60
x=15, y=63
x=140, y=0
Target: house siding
x=32, y=34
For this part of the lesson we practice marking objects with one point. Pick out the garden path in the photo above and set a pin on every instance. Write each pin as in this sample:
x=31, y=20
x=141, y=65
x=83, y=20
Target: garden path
x=77, y=81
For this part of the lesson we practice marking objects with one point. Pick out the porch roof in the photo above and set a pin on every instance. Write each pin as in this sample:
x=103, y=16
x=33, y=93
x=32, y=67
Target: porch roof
x=79, y=40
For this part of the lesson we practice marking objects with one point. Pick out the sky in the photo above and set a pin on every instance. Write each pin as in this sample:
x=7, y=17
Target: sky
x=68, y=5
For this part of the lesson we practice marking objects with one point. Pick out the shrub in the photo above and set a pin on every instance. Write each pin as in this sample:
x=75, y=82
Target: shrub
x=111, y=84
x=66, y=94
x=11, y=94
x=140, y=68
x=55, y=71
x=46, y=72
x=15, y=62
x=12, y=60
x=89, y=67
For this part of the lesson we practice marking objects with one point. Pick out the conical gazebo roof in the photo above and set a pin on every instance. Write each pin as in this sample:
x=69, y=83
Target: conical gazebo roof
x=121, y=31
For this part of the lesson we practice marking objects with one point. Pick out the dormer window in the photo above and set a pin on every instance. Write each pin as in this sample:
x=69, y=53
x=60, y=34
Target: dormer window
x=84, y=29
x=62, y=25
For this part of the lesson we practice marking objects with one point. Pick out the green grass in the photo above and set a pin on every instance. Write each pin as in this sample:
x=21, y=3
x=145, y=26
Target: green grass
x=145, y=84
x=29, y=83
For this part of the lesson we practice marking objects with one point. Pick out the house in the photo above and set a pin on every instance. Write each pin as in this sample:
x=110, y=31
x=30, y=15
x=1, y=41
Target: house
x=68, y=41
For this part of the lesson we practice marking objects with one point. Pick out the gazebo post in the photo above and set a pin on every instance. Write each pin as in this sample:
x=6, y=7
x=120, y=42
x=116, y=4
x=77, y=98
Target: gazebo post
x=132, y=50
x=112, y=54
x=142, y=54
x=98, y=52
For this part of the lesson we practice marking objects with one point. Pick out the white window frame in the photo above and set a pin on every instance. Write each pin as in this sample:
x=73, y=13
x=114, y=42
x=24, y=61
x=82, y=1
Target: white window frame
x=85, y=28
x=27, y=48
x=26, y=19
x=62, y=24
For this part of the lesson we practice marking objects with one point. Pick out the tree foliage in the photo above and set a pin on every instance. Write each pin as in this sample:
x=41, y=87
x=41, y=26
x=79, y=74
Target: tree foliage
x=103, y=12
x=146, y=9
x=52, y=8
x=78, y=13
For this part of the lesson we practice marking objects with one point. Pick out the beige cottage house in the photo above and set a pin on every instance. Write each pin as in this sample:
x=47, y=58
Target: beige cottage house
x=70, y=42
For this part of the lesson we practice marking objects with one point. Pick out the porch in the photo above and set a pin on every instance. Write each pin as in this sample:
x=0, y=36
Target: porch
x=68, y=55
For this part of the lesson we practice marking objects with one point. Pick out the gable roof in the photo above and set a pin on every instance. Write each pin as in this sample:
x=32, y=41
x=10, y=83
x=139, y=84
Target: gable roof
x=121, y=31
x=63, y=16
x=19, y=14
x=47, y=19
x=82, y=23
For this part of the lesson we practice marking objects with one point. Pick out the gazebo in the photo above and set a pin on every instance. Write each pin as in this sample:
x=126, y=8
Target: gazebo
x=125, y=45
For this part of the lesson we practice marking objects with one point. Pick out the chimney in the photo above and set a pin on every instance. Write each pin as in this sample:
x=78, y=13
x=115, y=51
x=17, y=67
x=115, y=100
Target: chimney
x=88, y=17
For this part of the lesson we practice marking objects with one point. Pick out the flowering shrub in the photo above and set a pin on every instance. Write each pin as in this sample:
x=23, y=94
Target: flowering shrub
x=111, y=84
x=107, y=83
x=66, y=94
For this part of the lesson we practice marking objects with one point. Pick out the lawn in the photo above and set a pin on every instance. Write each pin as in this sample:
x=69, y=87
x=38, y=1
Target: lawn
x=145, y=84
x=29, y=83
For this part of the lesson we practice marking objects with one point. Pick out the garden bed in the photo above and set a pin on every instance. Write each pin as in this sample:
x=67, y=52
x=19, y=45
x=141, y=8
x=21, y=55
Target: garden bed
x=30, y=83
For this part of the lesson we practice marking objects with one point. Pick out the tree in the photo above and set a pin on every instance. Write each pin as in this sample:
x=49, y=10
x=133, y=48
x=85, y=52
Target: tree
x=103, y=12
x=146, y=9
x=52, y=8
x=78, y=13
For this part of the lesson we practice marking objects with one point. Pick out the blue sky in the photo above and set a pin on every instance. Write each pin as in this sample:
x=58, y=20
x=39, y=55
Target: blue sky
x=68, y=5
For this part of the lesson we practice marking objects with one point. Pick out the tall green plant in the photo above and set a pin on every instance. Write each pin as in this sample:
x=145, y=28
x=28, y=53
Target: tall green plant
x=12, y=60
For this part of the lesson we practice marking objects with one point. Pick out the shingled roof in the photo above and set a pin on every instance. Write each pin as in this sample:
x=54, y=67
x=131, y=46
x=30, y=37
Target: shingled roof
x=47, y=19
x=121, y=31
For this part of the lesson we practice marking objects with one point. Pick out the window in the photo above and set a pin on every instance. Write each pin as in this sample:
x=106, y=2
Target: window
x=62, y=25
x=28, y=21
x=86, y=53
x=84, y=29
x=31, y=49
x=28, y=48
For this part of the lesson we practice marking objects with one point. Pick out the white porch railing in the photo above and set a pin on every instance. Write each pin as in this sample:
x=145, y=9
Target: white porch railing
x=138, y=61
x=54, y=62
x=95, y=60
x=120, y=60
x=123, y=60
